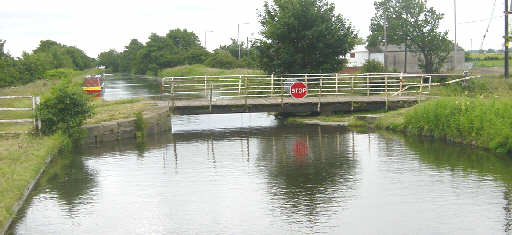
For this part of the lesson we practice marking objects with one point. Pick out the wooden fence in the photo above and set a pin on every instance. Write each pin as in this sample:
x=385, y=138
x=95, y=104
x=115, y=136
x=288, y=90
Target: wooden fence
x=36, y=121
x=319, y=85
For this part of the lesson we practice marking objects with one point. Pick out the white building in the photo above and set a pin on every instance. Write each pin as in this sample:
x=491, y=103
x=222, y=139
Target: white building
x=360, y=55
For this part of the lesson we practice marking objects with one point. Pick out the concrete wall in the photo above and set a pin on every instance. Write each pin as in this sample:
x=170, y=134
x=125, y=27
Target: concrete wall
x=396, y=60
x=155, y=122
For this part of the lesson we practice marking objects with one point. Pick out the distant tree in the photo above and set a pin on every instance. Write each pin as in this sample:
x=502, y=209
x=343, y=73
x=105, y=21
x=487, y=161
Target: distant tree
x=412, y=23
x=110, y=59
x=303, y=36
x=128, y=61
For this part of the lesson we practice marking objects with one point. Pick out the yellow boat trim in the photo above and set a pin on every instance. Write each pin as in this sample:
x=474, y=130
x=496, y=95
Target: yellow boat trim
x=91, y=88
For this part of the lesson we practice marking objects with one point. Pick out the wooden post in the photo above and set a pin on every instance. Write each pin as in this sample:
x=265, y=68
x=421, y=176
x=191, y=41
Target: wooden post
x=205, y=86
x=246, y=91
x=320, y=95
x=272, y=85
x=352, y=92
x=34, y=110
x=321, y=87
x=337, y=93
x=38, y=101
x=429, y=83
x=421, y=89
x=368, y=84
x=401, y=83
x=386, y=89
x=282, y=94
x=240, y=86
x=211, y=95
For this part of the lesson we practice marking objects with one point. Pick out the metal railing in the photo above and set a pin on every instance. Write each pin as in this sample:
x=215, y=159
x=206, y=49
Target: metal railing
x=319, y=85
x=36, y=121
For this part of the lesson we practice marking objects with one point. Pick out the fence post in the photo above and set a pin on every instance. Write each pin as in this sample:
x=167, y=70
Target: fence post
x=352, y=92
x=246, y=90
x=386, y=89
x=38, y=100
x=401, y=84
x=205, y=85
x=240, y=86
x=421, y=89
x=34, y=110
x=368, y=84
x=272, y=85
x=337, y=93
x=429, y=83
x=211, y=95
x=282, y=94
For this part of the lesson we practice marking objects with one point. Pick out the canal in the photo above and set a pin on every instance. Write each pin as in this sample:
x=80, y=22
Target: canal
x=249, y=174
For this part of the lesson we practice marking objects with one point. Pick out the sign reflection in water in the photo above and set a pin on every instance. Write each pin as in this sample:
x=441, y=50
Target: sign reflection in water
x=251, y=180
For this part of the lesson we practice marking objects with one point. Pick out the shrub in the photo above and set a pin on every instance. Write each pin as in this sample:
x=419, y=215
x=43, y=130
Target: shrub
x=65, y=108
x=63, y=73
x=373, y=66
x=222, y=59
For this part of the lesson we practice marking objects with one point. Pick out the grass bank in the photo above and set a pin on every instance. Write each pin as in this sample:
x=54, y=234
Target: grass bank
x=120, y=109
x=21, y=159
x=23, y=156
x=479, y=113
x=201, y=70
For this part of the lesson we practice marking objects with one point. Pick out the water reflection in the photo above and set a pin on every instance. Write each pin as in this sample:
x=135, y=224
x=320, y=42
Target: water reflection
x=123, y=86
x=253, y=175
x=469, y=161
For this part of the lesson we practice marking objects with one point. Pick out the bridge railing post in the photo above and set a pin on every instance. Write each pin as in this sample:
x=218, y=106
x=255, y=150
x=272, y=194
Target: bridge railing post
x=205, y=85
x=211, y=96
x=337, y=90
x=272, y=85
x=386, y=90
x=240, y=86
x=401, y=83
x=246, y=90
x=368, y=85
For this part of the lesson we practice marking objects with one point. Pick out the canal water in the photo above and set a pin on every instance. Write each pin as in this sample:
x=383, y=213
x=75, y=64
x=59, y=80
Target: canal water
x=249, y=174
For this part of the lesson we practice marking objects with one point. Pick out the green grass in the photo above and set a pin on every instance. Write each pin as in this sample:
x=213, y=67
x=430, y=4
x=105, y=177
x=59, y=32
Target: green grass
x=120, y=109
x=21, y=159
x=201, y=70
x=485, y=122
x=489, y=63
x=487, y=86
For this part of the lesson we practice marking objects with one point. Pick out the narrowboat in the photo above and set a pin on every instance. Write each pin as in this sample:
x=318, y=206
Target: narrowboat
x=93, y=84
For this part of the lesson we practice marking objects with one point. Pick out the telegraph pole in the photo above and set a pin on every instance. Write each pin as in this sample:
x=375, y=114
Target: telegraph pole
x=455, y=47
x=507, y=75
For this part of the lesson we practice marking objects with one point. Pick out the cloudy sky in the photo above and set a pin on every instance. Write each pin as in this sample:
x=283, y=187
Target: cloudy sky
x=99, y=25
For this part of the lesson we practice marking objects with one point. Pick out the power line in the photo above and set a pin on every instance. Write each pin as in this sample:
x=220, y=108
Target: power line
x=482, y=20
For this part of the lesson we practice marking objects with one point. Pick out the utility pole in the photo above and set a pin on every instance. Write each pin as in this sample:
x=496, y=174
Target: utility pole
x=2, y=43
x=455, y=47
x=385, y=39
x=507, y=75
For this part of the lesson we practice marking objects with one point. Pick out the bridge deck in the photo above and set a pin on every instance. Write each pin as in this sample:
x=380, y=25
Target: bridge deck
x=290, y=105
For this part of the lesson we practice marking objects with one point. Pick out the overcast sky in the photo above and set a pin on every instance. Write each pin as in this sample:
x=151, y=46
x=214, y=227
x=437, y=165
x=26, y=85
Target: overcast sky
x=99, y=25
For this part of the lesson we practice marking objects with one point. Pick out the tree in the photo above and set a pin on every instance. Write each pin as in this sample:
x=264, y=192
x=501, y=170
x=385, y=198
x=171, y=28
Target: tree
x=412, y=23
x=111, y=59
x=222, y=59
x=303, y=36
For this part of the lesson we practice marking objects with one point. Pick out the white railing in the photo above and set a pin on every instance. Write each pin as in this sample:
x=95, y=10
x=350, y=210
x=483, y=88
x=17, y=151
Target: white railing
x=36, y=121
x=319, y=85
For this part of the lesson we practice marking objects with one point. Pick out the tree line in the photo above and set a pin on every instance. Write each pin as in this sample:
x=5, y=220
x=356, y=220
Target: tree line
x=177, y=47
x=49, y=60
x=305, y=36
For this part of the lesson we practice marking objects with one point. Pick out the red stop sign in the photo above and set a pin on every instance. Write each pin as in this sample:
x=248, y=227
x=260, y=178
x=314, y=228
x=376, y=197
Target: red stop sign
x=298, y=90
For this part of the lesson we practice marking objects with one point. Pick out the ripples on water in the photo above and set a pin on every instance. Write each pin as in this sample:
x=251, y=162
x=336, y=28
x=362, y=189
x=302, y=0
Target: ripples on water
x=247, y=174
